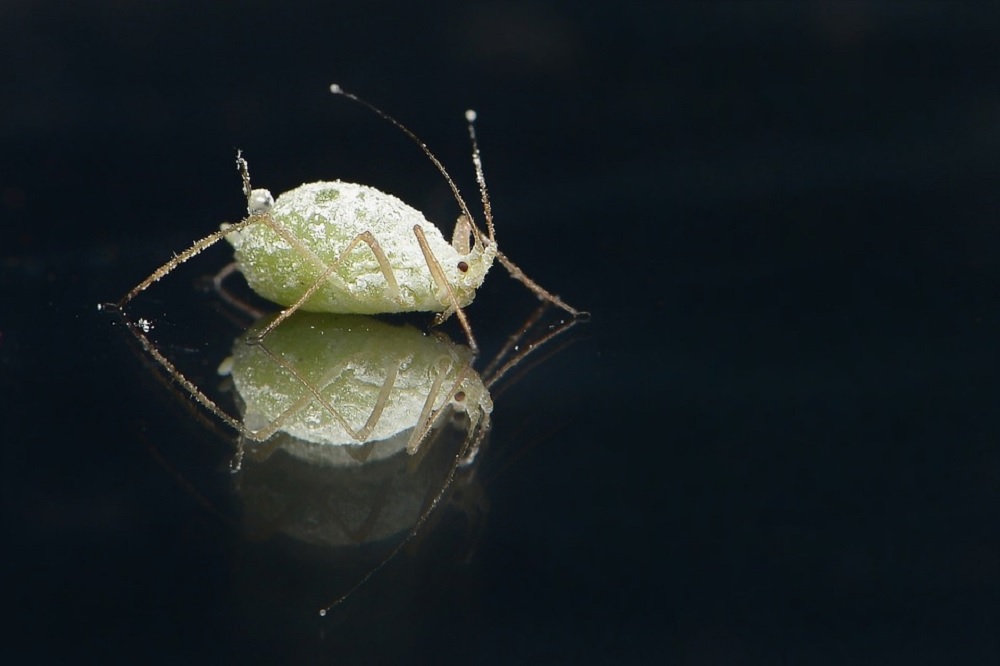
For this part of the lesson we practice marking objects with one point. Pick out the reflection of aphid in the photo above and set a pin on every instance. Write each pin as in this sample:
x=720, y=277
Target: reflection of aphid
x=337, y=382
x=330, y=401
x=334, y=391
x=346, y=248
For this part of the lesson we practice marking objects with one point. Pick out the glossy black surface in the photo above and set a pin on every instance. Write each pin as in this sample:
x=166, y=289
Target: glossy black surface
x=775, y=441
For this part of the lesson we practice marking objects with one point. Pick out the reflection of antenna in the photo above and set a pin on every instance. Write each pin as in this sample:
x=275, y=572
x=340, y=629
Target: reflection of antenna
x=468, y=452
x=473, y=440
x=492, y=374
x=520, y=352
x=529, y=345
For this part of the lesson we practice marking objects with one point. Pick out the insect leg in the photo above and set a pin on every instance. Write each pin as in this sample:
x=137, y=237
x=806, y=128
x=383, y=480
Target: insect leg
x=197, y=248
x=315, y=392
x=234, y=301
x=383, y=261
x=327, y=272
x=442, y=283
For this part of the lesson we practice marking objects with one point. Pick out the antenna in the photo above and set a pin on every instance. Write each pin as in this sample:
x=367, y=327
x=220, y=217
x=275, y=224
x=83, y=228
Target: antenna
x=337, y=90
x=470, y=117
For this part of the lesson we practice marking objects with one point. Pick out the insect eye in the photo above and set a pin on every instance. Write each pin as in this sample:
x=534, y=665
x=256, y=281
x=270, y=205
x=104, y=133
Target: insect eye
x=460, y=396
x=462, y=266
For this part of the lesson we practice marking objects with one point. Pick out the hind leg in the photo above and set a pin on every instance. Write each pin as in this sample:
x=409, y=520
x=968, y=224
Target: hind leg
x=327, y=271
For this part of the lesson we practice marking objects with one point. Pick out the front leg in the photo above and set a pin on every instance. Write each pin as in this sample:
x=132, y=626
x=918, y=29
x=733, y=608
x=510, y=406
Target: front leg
x=437, y=273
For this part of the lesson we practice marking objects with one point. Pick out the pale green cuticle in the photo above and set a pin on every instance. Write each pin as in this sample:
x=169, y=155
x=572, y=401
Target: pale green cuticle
x=280, y=273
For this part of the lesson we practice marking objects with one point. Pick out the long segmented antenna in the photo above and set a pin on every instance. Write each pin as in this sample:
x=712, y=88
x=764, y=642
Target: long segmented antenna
x=337, y=90
x=508, y=358
x=477, y=161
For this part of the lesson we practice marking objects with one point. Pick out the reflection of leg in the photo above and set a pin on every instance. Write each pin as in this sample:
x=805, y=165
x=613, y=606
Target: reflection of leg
x=234, y=301
x=316, y=393
x=328, y=272
x=429, y=415
x=192, y=390
x=391, y=370
x=303, y=400
x=442, y=282
x=478, y=427
x=426, y=419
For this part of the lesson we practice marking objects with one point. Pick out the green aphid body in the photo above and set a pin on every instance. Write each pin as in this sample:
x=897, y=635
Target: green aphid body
x=288, y=248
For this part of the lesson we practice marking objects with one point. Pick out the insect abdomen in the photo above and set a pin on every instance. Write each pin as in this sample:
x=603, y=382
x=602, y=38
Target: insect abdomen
x=308, y=230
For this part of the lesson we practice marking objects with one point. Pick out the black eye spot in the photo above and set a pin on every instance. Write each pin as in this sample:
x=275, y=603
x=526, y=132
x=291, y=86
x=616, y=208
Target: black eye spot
x=462, y=266
x=460, y=396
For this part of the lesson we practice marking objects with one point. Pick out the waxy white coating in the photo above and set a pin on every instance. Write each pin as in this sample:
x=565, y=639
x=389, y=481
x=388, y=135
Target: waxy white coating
x=325, y=217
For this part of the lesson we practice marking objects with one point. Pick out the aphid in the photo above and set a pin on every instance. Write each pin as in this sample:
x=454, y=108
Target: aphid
x=335, y=247
x=347, y=248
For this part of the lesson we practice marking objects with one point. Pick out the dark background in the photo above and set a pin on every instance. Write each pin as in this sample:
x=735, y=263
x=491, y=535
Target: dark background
x=776, y=441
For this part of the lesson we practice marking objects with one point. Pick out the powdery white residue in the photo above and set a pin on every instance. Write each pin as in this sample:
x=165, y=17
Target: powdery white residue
x=317, y=231
x=325, y=217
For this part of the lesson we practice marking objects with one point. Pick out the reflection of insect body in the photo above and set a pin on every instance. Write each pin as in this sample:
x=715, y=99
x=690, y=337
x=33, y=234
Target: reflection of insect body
x=324, y=383
x=338, y=384
x=345, y=391
x=347, y=248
